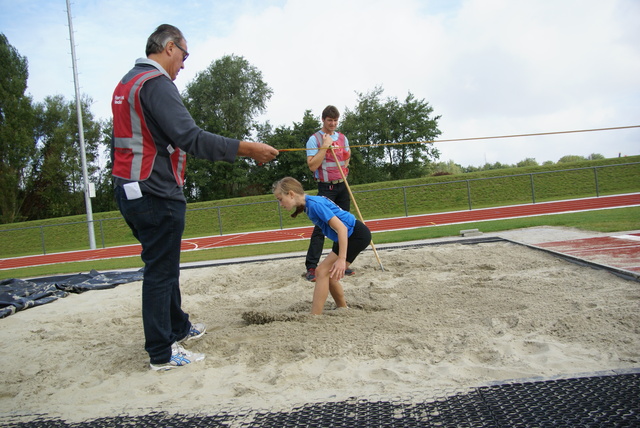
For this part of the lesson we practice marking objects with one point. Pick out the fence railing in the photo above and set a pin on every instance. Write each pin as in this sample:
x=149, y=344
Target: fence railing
x=460, y=193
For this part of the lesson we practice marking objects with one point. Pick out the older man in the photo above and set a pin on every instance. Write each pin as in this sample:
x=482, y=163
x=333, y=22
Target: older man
x=152, y=133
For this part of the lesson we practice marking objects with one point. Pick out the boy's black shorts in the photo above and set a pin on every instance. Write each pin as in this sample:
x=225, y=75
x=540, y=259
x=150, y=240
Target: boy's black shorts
x=358, y=241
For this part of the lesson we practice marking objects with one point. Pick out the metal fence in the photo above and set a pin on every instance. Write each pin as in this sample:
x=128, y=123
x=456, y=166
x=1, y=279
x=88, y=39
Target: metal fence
x=119, y=231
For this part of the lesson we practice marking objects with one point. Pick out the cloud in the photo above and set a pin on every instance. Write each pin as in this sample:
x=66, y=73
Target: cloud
x=488, y=67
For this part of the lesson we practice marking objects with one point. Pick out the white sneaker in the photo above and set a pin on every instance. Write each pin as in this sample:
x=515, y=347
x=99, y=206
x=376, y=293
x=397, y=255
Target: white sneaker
x=195, y=332
x=179, y=357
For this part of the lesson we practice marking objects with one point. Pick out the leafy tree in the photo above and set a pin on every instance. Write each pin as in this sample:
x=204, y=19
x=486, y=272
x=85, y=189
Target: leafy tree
x=596, y=156
x=497, y=165
x=57, y=186
x=362, y=127
x=288, y=163
x=471, y=168
x=447, y=167
x=571, y=158
x=104, y=200
x=381, y=126
x=224, y=99
x=302, y=132
x=527, y=162
x=17, y=148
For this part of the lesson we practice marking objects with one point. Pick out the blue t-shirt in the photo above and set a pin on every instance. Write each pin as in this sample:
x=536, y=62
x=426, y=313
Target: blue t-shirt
x=320, y=210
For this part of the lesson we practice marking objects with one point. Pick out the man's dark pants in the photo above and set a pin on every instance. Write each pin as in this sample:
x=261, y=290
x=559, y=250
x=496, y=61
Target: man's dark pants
x=338, y=193
x=158, y=224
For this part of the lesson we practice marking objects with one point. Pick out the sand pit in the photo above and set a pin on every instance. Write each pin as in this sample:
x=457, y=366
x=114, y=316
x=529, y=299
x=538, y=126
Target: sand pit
x=439, y=317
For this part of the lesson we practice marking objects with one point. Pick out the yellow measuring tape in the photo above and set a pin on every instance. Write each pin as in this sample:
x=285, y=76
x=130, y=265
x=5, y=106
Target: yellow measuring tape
x=474, y=138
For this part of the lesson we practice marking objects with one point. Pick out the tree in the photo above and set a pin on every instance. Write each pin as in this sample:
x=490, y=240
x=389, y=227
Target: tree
x=224, y=99
x=104, y=200
x=497, y=165
x=363, y=128
x=56, y=188
x=596, y=156
x=381, y=126
x=527, y=162
x=289, y=163
x=442, y=168
x=17, y=148
x=571, y=158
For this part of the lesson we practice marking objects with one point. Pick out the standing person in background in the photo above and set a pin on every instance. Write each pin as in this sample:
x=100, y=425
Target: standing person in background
x=152, y=133
x=326, y=171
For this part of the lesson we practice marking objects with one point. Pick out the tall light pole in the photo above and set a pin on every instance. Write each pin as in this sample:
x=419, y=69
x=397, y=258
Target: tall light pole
x=83, y=156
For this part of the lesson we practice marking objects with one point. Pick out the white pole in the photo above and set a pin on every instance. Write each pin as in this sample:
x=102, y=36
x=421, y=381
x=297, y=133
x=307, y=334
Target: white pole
x=83, y=156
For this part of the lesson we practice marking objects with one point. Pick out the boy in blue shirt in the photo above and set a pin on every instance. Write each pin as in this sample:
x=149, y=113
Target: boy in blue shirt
x=349, y=235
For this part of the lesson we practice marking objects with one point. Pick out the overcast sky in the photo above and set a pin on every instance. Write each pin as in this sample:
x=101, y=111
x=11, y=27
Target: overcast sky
x=488, y=67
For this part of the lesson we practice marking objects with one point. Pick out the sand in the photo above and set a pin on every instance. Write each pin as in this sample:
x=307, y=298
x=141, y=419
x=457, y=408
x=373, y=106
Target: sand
x=439, y=317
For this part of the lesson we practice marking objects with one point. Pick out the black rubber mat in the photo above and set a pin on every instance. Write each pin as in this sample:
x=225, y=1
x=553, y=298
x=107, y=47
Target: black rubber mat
x=594, y=401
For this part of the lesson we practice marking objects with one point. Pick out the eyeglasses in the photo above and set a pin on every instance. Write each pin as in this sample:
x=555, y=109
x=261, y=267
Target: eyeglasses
x=186, y=54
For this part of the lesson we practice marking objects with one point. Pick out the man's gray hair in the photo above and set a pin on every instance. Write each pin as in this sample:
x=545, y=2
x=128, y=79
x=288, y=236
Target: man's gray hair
x=164, y=34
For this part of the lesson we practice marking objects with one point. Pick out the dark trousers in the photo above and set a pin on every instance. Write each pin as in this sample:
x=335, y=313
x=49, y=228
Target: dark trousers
x=338, y=193
x=158, y=224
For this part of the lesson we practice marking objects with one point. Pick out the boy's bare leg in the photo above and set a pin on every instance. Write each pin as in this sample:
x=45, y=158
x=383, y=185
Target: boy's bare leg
x=324, y=285
x=321, y=290
x=337, y=292
x=320, y=293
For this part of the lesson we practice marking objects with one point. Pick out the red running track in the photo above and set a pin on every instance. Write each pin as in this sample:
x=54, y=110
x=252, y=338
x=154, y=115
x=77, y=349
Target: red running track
x=515, y=211
x=620, y=251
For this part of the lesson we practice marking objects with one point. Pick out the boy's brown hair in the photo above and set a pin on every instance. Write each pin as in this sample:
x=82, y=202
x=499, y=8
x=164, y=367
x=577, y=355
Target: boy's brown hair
x=287, y=184
x=284, y=186
x=330, y=111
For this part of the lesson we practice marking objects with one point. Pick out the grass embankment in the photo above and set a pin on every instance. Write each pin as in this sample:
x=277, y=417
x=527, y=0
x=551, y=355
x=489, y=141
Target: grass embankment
x=378, y=200
x=613, y=220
